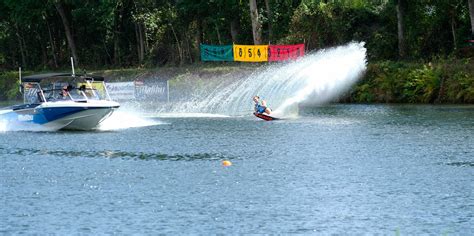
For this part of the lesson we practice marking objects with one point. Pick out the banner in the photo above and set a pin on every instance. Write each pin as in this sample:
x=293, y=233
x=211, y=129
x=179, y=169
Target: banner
x=216, y=53
x=156, y=90
x=250, y=53
x=285, y=52
x=153, y=90
x=121, y=91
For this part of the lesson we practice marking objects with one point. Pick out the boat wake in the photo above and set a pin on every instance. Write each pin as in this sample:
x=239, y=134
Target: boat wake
x=186, y=115
x=123, y=119
x=12, y=126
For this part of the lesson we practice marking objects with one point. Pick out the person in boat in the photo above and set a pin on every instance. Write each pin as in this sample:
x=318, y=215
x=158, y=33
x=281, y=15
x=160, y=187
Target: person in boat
x=261, y=106
x=65, y=91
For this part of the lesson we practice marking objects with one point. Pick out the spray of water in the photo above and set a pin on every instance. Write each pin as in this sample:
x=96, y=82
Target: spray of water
x=10, y=125
x=3, y=126
x=123, y=119
x=317, y=78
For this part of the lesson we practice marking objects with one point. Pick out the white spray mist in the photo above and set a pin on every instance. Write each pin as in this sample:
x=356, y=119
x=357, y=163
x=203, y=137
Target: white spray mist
x=315, y=79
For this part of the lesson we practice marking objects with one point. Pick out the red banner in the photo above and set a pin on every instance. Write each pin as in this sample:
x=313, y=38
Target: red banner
x=285, y=52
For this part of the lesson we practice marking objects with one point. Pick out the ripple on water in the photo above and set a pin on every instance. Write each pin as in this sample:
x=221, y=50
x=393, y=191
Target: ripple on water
x=115, y=154
x=461, y=163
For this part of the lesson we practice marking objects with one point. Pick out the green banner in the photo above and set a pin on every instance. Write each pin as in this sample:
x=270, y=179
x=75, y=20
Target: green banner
x=216, y=53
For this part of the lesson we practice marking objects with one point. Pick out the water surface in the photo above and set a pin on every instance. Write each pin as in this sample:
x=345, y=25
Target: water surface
x=335, y=169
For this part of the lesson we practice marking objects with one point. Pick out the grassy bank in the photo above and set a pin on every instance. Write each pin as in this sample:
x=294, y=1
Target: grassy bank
x=442, y=81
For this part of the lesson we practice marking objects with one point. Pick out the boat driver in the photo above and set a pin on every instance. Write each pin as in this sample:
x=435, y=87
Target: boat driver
x=261, y=108
x=65, y=92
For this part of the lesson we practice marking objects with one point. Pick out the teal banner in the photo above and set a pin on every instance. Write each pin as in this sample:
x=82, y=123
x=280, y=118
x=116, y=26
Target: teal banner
x=216, y=53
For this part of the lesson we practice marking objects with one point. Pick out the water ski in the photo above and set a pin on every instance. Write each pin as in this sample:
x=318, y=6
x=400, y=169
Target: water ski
x=265, y=117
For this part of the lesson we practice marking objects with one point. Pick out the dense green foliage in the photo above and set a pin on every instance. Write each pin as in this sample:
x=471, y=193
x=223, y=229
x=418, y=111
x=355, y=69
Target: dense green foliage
x=124, y=33
x=450, y=81
x=44, y=34
x=9, y=86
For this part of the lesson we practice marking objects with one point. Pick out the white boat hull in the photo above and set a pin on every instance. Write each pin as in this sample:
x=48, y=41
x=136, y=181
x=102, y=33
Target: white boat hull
x=62, y=115
x=84, y=120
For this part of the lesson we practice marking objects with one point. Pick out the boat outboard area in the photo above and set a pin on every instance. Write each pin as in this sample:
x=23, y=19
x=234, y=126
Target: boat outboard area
x=61, y=101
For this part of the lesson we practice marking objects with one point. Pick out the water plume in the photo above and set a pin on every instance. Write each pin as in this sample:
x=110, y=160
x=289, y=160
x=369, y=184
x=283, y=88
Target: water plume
x=317, y=78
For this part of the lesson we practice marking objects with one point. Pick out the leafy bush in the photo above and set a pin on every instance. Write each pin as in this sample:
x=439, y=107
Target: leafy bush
x=460, y=89
x=450, y=81
x=9, y=86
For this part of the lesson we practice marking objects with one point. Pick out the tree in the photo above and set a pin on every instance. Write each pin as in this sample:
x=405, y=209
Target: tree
x=67, y=30
x=270, y=19
x=256, y=26
x=401, y=7
x=127, y=33
x=471, y=13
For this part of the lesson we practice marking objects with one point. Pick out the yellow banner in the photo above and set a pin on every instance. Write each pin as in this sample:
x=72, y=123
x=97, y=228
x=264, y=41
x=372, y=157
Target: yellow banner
x=250, y=53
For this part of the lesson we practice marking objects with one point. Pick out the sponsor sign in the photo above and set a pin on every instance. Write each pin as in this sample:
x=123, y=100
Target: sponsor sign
x=121, y=90
x=216, y=53
x=285, y=52
x=250, y=53
x=157, y=90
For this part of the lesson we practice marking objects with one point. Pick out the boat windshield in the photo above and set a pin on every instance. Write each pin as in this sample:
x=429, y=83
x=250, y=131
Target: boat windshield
x=32, y=93
x=65, y=90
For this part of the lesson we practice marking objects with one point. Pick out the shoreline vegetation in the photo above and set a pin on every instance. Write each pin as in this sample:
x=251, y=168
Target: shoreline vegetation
x=440, y=82
x=448, y=81
x=418, y=51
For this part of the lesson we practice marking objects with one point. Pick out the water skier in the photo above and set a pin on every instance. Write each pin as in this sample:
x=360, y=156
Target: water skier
x=261, y=107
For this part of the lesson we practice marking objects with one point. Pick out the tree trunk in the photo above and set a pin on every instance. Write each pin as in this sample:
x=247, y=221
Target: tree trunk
x=256, y=26
x=116, y=50
x=270, y=21
x=137, y=39
x=67, y=30
x=234, y=29
x=198, y=37
x=25, y=48
x=109, y=59
x=22, y=51
x=44, y=51
x=141, y=30
x=180, y=51
x=471, y=12
x=188, y=47
x=453, y=30
x=51, y=42
x=117, y=31
x=401, y=28
x=218, y=34
x=140, y=42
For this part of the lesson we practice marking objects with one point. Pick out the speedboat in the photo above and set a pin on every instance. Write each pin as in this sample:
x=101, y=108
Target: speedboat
x=60, y=101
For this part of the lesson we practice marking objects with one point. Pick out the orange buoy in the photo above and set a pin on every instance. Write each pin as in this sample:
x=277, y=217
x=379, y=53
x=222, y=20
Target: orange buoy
x=226, y=163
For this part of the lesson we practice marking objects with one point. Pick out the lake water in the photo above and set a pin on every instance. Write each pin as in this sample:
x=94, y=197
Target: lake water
x=344, y=169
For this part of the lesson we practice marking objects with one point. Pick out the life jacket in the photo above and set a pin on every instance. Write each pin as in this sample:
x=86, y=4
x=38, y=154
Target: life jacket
x=259, y=108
